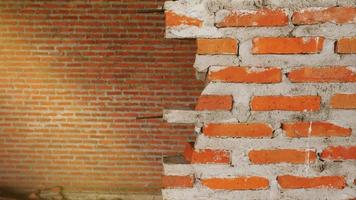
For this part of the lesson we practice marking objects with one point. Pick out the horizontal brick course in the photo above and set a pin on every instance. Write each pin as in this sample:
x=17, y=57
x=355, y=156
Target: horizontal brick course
x=339, y=15
x=214, y=102
x=207, y=156
x=286, y=103
x=217, y=46
x=295, y=182
x=174, y=19
x=258, y=18
x=238, y=130
x=322, y=74
x=343, y=101
x=315, y=129
x=177, y=181
x=339, y=153
x=238, y=183
x=346, y=45
x=273, y=156
x=246, y=75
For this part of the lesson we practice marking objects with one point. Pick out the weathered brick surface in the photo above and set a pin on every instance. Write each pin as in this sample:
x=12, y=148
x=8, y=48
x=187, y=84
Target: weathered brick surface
x=174, y=19
x=217, y=46
x=287, y=103
x=177, y=181
x=246, y=75
x=238, y=130
x=343, y=101
x=295, y=182
x=279, y=106
x=339, y=153
x=238, y=183
x=339, y=15
x=315, y=129
x=322, y=74
x=275, y=45
x=282, y=156
x=346, y=45
x=214, y=102
x=258, y=18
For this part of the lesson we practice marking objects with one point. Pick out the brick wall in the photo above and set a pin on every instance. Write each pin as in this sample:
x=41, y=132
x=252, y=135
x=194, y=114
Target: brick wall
x=73, y=77
x=277, y=117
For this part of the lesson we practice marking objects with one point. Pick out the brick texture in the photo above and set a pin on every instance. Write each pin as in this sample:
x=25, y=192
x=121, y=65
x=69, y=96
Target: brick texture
x=339, y=15
x=214, y=102
x=177, y=181
x=262, y=17
x=217, y=46
x=271, y=45
x=281, y=156
x=343, y=101
x=294, y=182
x=173, y=19
x=74, y=75
x=238, y=183
x=323, y=74
x=246, y=75
x=346, y=45
x=210, y=156
x=339, y=153
x=315, y=129
x=287, y=103
x=238, y=130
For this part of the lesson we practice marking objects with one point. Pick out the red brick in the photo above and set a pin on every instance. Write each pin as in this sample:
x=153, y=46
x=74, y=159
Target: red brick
x=343, y=101
x=207, y=156
x=238, y=183
x=214, y=102
x=217, y=46
x=174, y=19
x=317, y=129
x=322, y=74
x=295, y=182
x=246, y=75
x=177, y=181
x=338, y=15
x=258, y=18
x=188, y=151
x=273, y=156
x=339, y=153
x=238, y=130
x=286, y=103
x=346, y=45
x=276, y=45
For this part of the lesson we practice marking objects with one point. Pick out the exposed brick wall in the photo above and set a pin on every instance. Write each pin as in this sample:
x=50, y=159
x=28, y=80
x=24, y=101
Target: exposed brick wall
x=277, y=117
x=73, y=77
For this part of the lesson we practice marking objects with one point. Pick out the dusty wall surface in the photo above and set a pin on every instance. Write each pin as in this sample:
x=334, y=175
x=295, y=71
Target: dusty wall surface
x=277, y=117
x=74, y=76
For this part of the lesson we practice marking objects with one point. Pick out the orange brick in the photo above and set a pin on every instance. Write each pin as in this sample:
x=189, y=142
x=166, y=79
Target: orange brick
x=281, y=156
x=177, y=181
x=296, y=182
x=276, y=45
x=188, y=151
x=346, y=45
x=211, y=156
x=322, y=74
x=317, y=129
x=246, y=75
x=214, y=102
x=262, y=17
x=339, y=15
x=217, y=46
x=339, y=153
x=238, y=183
x=173, y=19
x=238, y=130
x=343, y=101
x=287, y=103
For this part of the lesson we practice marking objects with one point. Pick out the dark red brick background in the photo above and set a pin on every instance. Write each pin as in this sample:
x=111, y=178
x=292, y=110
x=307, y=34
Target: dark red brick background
x=74, y=75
